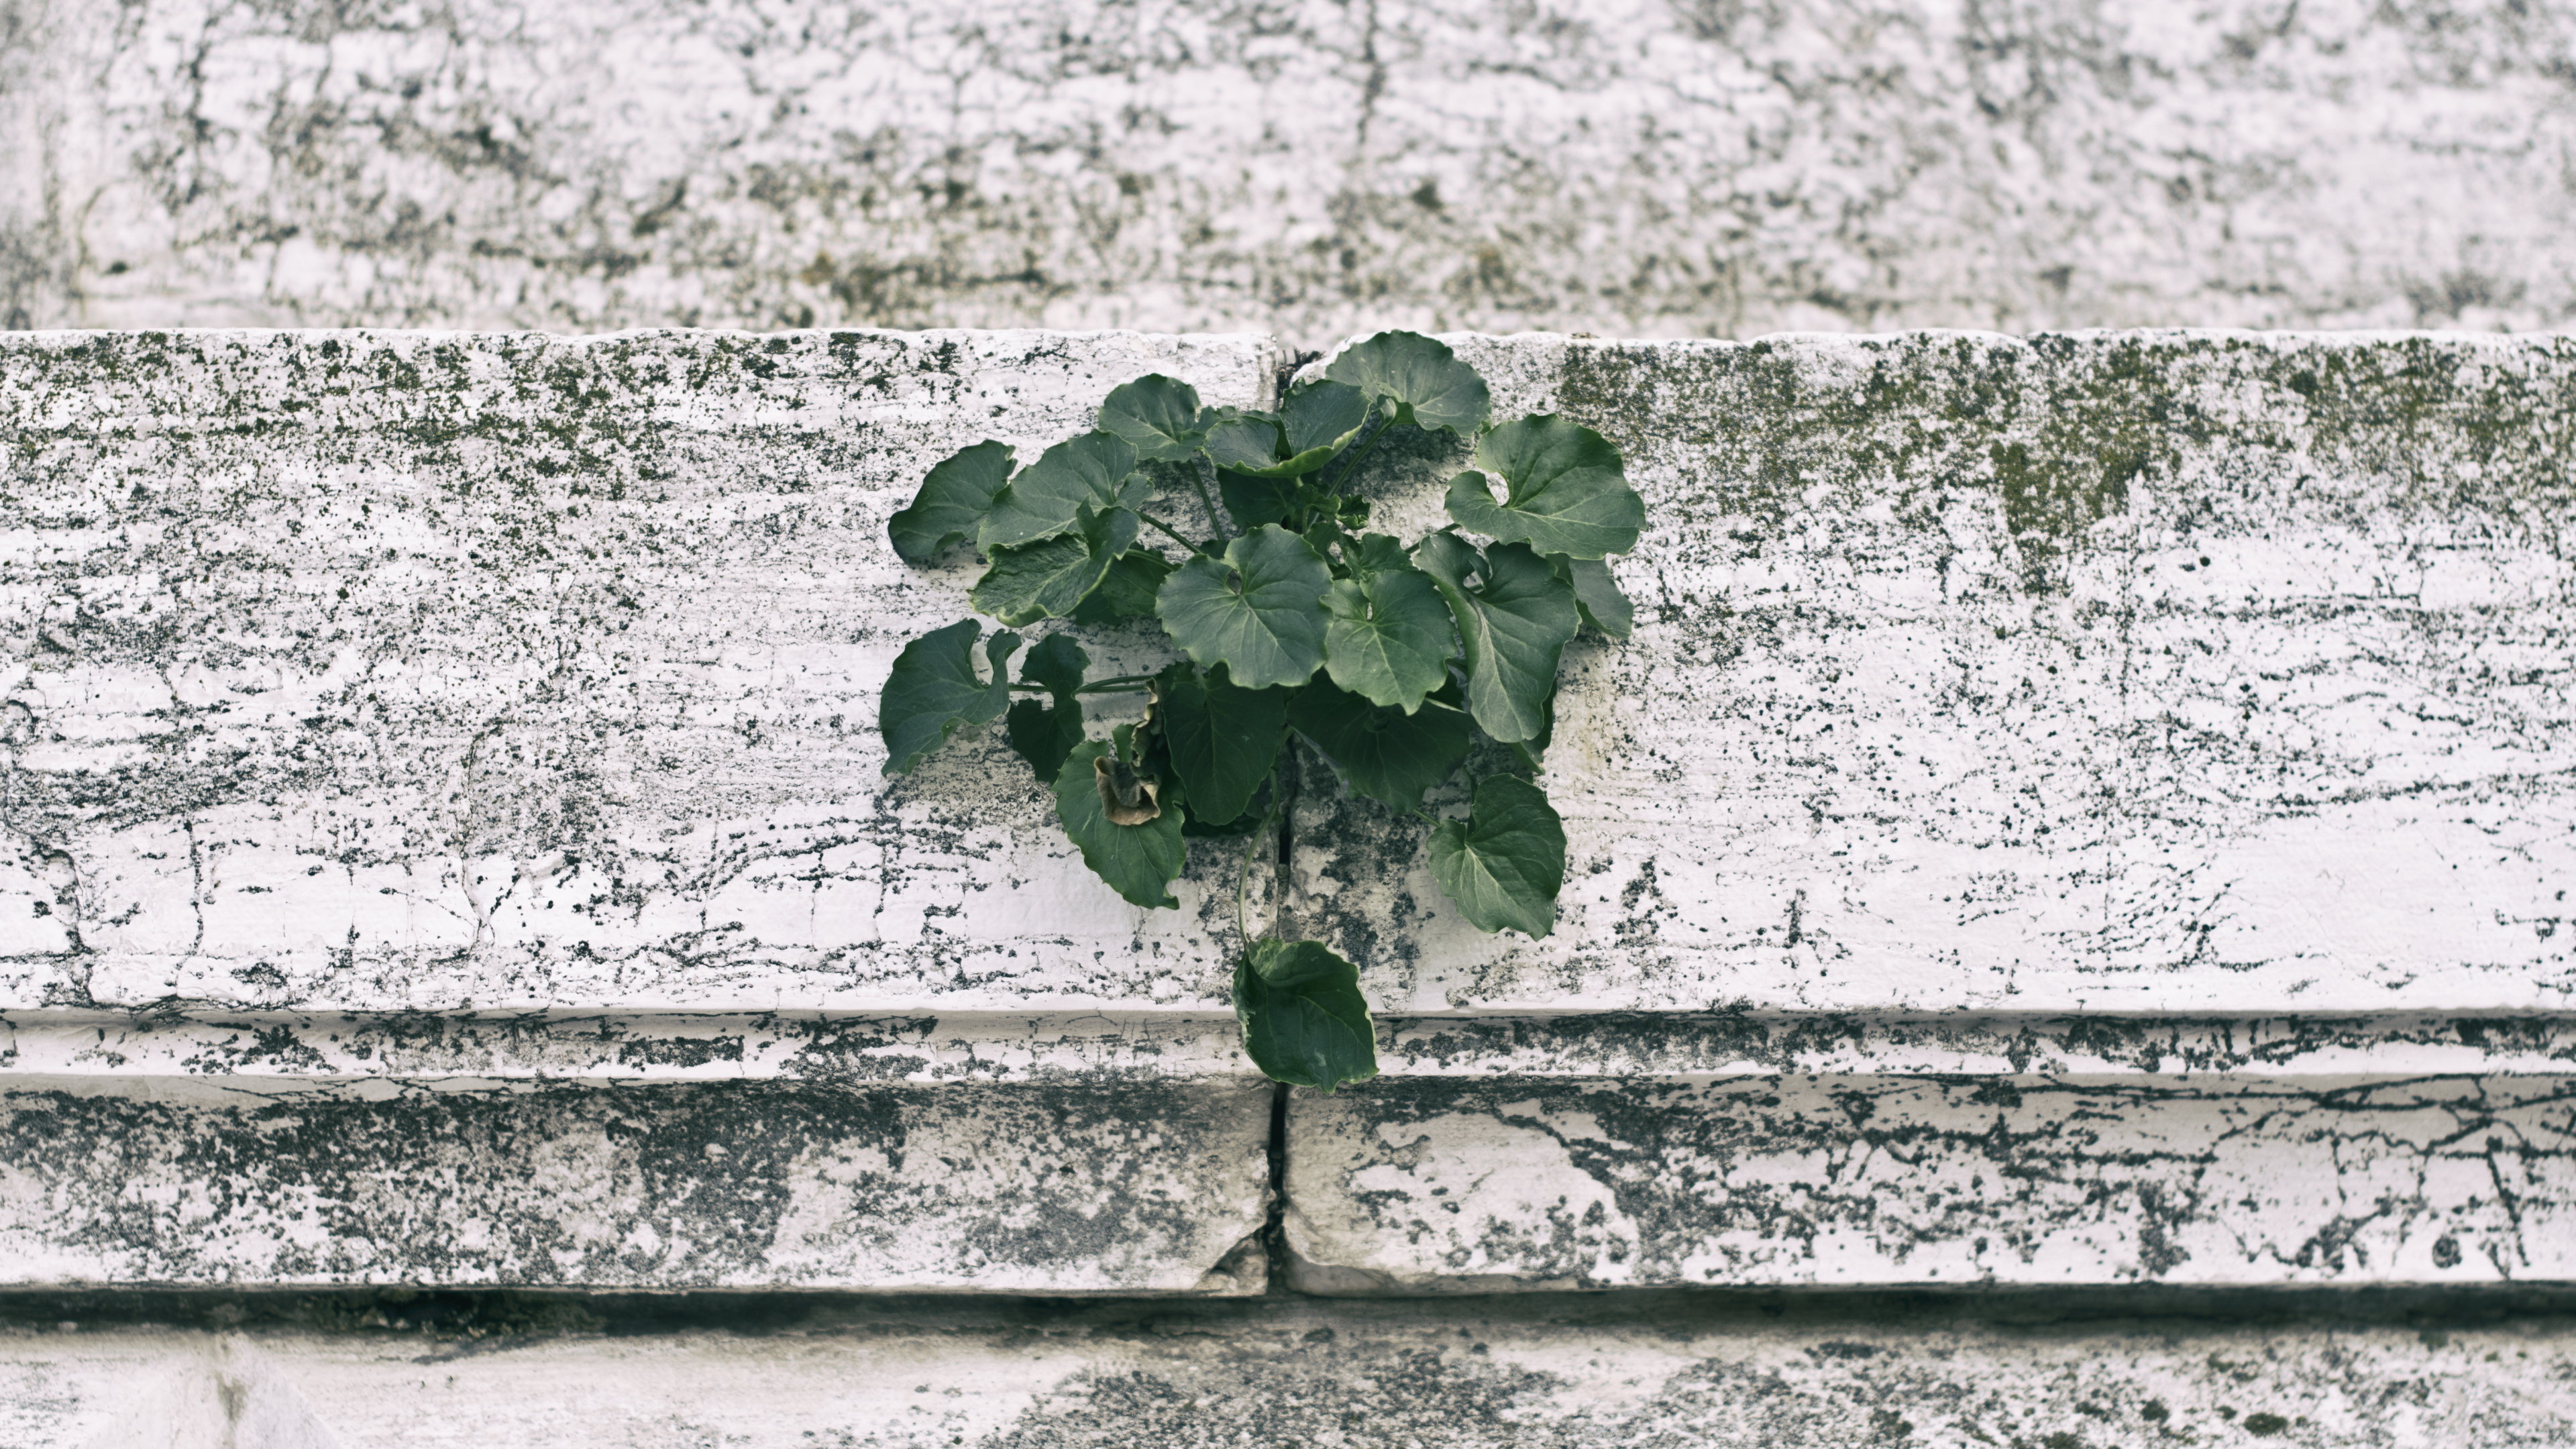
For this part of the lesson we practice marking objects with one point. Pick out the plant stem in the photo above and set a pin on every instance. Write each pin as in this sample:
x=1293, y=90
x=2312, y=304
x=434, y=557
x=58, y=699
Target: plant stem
x=1352, y=468
x=1176, y=535
x=1123, y=684
x=1207, y=502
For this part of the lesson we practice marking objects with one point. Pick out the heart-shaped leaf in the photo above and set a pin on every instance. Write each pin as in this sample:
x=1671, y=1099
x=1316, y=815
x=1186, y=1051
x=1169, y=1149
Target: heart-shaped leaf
x=1385, y=754
x=1097, y=469
x=1416, y=380
x=1388, y=637
x=1322, y=415
x=952, y=501
x=1044, y=732
x=1596, y=595
x=1258, y=611
x=1127, y=590
x=1141, y=861
x=1512, y=627
x=1304, y=1020
x=1223, y=739
x=1569, y=493
x=932, y=692
x=1158, y=416
x=1048, y=578
x=1505, y=862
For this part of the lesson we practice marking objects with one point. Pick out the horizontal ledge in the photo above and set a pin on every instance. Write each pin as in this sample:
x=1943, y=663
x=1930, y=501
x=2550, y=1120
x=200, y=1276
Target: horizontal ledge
x=471, y=1050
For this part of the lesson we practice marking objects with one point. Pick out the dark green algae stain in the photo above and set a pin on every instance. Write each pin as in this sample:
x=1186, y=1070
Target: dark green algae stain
x=2063, y=429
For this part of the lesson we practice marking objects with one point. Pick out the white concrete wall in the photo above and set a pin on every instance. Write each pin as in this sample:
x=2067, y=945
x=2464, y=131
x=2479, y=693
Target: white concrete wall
x=2090, y=810
x=1644, y=168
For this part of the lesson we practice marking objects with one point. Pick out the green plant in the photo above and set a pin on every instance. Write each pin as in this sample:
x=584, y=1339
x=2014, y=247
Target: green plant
x=1389, y=661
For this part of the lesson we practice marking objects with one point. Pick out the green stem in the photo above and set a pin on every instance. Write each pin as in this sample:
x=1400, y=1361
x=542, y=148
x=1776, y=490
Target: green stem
x=1123, y=684
x=1352, y=468
x=1215, y=520
x=1176, y=535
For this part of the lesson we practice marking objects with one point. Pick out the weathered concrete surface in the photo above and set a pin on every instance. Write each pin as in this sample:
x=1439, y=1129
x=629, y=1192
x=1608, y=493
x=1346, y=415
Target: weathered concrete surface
x=1288, y=1375
x=396, y=672
x=1067, y=1188
x=1650, y=167
x=486, y=1048
x=2108, y=673
x=617, y=1047
x=1414, y=1186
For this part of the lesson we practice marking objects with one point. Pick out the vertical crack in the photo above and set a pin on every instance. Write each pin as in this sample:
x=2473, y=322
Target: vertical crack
x=1274, y=1233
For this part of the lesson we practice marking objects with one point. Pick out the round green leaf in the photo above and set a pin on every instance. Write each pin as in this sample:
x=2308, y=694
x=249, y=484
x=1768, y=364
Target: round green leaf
x=1569, y=493
x=1504, y=863
x=1323, y=415
x=1223, y=739
x=952, y=501
x=1388, y=637
x=1097, y=469
x=1140, y=862
x=932, y=692
x=1512, y=627
x=1048, y=578
x=1158, y=416
x=1417, y=379
x=1385, y=754
x=1304, y=1020
x=1258, y=611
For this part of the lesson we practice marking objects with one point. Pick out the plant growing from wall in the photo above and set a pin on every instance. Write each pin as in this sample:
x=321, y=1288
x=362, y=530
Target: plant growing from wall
x=1294, y=623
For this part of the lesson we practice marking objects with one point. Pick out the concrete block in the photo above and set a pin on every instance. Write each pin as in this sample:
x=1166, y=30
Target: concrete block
x=1035, y=1188
x=1442, y=1185
x=1694, y=168
x=1668, y=1369
x=397, y=672
x=2146, y=673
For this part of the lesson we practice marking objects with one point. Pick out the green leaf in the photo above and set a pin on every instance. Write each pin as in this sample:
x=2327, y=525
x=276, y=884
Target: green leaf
x=1043, y=735
x=1045, y=732
x=1240, y=439
x=1140, y=862
x=1255, y=501
x=1512, y=628
x=1157, y=415
x=1569, y=494
x=1235, y=829
x=1504, y=863
x=1304, y=1020
x=1388, y=637
x=952, y=502
x=1596, y=594
x=1258, y=612
x=1385, y=754
x=1047, y=579
x=1254, y=445
x=1223, y=739
x=933, y=692
x=1055, y=664
x=1323, y=415
x=1098, y=469
x=1417, y=380
x=1127, y=590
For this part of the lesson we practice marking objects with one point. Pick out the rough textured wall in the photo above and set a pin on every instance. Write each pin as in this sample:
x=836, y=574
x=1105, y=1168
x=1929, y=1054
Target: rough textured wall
x=1636, y=167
